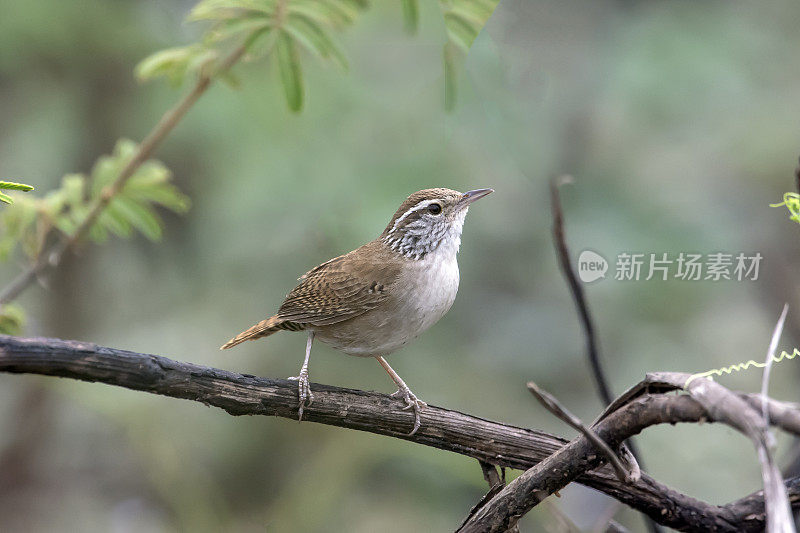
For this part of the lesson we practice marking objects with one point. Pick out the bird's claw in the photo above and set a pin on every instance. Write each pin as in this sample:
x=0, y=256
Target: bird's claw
x=411, y=402
x=303, y=392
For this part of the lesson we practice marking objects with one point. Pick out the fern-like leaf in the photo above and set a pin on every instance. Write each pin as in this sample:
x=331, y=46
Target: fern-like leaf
x=290, y=72
x=12, y=186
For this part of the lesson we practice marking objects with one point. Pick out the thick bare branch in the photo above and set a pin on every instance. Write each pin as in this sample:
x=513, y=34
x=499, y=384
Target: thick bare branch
x=488, y=441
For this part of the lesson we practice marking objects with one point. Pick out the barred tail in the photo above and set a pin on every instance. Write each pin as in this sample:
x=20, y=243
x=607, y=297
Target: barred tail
x=262, y=329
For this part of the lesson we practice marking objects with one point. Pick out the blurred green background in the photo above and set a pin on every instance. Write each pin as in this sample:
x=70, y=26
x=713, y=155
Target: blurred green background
x=679, y=121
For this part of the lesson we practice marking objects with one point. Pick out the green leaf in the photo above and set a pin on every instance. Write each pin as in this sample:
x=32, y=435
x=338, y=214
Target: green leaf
x=13, y=186
x=290, y=72
x=12, y=319
x=316, y=11
x=308, y=33
x=175, y=64
x=19, y=227
x=165, y=195
x=72, y=188
x=464, y=19
x=66, y=208
x=336, y=13
x=115, y=222
x=230, y=9
x=451, y=58
x=66, y=225
x=170, y=63
x=139, y=216
x=460, y=31
x=98, y=233
x=202, y=61
x=342, y=11
x=410, y=16
x=230, y=28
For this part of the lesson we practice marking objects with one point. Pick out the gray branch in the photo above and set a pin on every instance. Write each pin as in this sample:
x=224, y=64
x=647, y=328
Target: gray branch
x=491, y=442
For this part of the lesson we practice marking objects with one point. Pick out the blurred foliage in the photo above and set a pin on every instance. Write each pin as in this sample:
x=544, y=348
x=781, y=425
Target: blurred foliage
x=410, y=15
x=12, y=186
x=288, y=25
x=28, y=221
x=174, y=63
x=263, y=25
x=792, y=202
x=12, y=319
x=463, y=19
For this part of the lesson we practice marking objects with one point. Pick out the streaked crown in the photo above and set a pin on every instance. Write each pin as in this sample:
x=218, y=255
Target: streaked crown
x=430, y=220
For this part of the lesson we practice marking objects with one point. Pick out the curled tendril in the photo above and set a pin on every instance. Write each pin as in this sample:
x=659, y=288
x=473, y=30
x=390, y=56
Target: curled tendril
x=792, y=202
x=741, y=366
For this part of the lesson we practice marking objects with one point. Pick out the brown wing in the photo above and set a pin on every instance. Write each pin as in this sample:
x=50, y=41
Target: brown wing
x=339, y=289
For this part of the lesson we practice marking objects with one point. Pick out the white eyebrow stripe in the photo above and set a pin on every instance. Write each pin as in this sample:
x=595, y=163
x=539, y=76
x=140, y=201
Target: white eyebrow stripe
x=421, y=205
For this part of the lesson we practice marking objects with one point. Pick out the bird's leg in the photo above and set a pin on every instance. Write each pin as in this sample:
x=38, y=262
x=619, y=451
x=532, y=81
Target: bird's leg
x=303, y=388
x=405, y=394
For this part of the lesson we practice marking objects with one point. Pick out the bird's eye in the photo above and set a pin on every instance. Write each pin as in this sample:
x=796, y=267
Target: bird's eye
x=434, y=209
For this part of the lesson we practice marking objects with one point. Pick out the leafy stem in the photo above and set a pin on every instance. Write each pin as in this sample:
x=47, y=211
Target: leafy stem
x=53, y=256
x=12, y=186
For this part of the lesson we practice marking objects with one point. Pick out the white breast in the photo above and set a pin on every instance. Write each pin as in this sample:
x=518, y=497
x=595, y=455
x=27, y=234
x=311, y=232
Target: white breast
x=419, y=299
x=424, y=293
x=433, y=288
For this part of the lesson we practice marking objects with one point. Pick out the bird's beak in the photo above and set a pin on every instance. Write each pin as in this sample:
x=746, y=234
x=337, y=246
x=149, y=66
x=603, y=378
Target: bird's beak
x=471, y=196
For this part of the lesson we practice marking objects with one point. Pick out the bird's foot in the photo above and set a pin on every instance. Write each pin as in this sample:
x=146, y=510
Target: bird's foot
x=303, y=392
x=412, y=402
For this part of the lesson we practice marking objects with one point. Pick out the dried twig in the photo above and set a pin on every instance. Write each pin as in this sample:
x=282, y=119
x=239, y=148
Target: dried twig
x=797, y=176
x=554, y=406
x=779, y=515
x=582, y=306
x=565, y=263
x=496, y=484
x=773, y=346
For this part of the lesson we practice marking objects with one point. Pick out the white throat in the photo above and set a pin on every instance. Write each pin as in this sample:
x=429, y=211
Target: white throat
x=419, y=239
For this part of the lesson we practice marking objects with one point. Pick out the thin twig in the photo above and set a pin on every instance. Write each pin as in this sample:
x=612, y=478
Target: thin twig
x=496, y=484
x=565, y=263
x=592, y=345
x=779, y=514
x=52, y=257
x=773, y=346
x=797, y=176
x=554, y=406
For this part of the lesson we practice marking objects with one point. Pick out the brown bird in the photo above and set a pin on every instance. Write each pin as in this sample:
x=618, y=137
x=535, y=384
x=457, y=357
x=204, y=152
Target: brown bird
x=374, y=300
